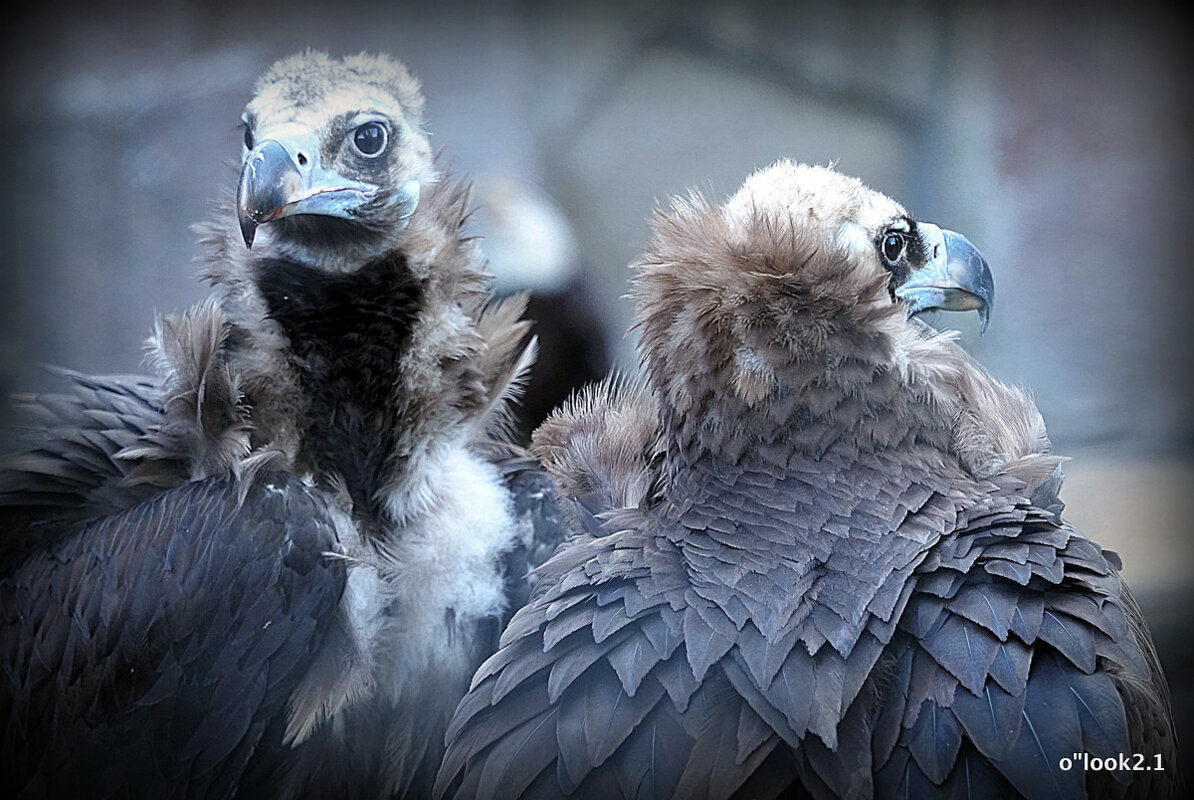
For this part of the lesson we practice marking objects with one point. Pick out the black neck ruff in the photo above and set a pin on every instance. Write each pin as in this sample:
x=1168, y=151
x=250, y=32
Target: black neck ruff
x=347, y=335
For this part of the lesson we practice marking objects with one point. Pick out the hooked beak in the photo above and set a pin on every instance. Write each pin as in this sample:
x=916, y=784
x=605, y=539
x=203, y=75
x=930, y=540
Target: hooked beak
x=955, y=277
x=281, y=177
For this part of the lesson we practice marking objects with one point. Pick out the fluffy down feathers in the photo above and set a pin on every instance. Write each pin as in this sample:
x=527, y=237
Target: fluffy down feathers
x=839, y=584
x=342, y=538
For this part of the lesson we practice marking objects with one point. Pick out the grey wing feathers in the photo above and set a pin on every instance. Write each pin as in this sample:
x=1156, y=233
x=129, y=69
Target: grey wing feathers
x=145, y=654
x=1016, y=648
x=73, y=472
x=542, y=527
x=1028, y=659
x=1047, y=495
x=109, y=443
x=593, y=695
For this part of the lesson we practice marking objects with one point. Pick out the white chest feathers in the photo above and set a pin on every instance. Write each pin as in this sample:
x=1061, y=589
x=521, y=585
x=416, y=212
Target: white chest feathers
x=436, y=574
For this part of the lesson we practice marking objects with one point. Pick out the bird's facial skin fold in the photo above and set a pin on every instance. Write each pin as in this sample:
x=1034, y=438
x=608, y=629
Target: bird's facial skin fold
x=944, y=271
x=283, y=174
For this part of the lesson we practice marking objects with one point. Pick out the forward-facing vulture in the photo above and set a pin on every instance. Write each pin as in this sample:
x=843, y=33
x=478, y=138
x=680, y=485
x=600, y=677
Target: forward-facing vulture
x=271, y=570
x=815, y=566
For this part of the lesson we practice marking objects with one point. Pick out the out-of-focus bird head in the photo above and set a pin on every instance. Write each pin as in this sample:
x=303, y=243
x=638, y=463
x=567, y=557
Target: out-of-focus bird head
x=334, y=156
x=802, y=273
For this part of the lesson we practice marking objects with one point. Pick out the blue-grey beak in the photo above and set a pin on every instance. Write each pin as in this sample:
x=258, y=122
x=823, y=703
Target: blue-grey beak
x=955, y=276
x=281, y=177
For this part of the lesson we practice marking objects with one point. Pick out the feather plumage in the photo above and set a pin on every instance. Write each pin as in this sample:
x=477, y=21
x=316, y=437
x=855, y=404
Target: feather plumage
x=351, y=348
x=849, y=565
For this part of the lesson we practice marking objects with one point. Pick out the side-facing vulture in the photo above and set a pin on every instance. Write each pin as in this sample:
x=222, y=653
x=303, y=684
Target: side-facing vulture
x=815, y=566
x=271, y=570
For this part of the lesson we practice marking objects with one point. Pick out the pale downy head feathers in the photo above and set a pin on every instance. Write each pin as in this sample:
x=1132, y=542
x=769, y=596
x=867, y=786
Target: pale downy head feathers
x=315, y=107
x=778, y=300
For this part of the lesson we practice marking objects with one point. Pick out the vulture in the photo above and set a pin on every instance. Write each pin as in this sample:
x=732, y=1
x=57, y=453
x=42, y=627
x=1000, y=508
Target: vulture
x=532, y=250
x=816, y=556
x=271, y=569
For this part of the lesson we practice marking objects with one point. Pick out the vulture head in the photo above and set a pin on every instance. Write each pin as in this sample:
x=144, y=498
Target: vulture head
x=801, y=250
x=867, y=235
x=799, y=294
x=361, y=329
x=334, y=155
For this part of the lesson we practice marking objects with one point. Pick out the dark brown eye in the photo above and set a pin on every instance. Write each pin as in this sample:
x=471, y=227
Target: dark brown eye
x=248, y=136
x=370, y=139
x=892, y=247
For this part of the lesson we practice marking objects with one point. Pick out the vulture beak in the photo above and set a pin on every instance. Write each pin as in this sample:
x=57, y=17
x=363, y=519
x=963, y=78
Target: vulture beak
x=955, y=276
x=282, y=177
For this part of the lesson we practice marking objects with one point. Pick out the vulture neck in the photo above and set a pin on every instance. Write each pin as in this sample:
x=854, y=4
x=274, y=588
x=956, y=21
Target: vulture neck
x=364, y=373
x=347, y=334
x=804, y=485
x=820, y=409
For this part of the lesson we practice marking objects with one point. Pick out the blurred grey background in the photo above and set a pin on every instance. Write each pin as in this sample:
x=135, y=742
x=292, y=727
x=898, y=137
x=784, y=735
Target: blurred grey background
x=1056, y=137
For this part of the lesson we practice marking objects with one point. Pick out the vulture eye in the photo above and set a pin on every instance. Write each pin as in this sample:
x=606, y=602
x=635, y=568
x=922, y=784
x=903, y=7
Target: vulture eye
x=370, y=139
x=893, y=247
x=248, y=136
